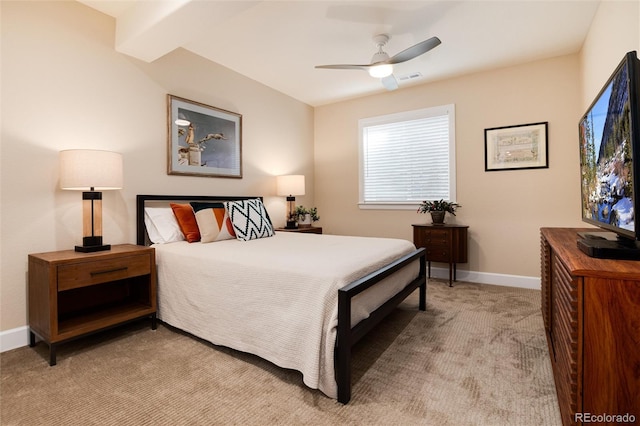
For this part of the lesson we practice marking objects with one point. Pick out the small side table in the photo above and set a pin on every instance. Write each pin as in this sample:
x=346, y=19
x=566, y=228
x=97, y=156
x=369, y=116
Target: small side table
x=73, y=294
x=443, y=243
x=304, y=230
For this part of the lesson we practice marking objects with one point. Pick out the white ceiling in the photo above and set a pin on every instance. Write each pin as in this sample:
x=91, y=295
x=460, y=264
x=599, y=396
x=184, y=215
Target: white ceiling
x=278, y=43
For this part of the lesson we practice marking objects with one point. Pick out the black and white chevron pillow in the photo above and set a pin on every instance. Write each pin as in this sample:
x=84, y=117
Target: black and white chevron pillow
x=250, y=219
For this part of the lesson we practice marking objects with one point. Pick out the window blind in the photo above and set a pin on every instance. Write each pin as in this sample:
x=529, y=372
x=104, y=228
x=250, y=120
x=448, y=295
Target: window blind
x=406, y=160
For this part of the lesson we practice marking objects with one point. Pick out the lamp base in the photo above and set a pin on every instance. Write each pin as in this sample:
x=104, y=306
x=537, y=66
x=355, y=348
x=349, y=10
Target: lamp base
x=91, y=244
x=91, y=249
x=291, y=224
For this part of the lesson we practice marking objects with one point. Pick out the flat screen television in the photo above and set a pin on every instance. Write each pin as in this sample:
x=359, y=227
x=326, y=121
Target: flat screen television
x=609, y=134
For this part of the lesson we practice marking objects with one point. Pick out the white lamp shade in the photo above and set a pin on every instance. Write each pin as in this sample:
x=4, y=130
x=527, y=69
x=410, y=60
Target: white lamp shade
x=290, y=185
x=83, y=169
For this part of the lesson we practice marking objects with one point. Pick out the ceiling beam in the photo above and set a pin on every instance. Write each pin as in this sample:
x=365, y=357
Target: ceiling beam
x=151, y=29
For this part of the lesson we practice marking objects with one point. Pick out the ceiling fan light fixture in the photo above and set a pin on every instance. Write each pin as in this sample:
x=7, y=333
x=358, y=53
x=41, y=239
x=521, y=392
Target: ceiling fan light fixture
x=381, y=71
x=381, y=65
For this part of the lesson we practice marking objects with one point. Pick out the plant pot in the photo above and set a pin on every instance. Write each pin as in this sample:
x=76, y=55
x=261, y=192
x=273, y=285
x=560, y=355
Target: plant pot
x=437, y=217
x=306, y=222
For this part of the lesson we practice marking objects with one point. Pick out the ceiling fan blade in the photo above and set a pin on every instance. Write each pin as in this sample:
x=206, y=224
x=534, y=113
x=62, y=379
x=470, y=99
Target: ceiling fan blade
x=343, y=67
x=414, y=51
x=389, y=82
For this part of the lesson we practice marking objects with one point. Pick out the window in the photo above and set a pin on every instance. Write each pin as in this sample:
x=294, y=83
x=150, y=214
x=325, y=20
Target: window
x=407, y=157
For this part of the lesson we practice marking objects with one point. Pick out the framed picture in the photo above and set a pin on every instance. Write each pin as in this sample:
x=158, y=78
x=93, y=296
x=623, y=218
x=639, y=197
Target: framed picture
x=516, y=147
x=203, y=140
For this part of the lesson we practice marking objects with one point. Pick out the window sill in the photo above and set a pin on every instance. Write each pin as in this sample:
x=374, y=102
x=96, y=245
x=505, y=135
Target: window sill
x=389, y=206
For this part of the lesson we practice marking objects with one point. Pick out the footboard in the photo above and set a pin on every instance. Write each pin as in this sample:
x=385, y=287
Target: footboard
x=348, y=336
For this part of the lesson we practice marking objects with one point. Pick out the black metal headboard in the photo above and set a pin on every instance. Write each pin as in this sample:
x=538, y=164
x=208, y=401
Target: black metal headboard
x=141, y=200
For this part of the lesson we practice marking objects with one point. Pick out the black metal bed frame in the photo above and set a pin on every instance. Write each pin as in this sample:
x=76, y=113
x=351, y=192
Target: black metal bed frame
x=347, y=335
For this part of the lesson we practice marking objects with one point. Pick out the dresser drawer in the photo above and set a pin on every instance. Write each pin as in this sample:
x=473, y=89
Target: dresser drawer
x=84, y=274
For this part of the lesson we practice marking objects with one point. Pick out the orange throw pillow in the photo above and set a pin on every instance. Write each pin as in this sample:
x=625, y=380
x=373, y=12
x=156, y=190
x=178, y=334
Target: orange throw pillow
x=186, y=221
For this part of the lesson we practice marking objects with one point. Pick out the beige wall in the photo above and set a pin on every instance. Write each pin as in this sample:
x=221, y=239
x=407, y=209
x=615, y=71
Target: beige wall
x=64, y=86
x=614, y=31
x=504, y=209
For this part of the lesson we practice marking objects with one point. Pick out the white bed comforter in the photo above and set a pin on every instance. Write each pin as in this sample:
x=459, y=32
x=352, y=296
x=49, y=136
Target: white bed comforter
x=275, y=297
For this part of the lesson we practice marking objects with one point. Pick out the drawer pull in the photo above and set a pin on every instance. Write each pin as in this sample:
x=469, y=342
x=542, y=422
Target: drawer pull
x=108, y=271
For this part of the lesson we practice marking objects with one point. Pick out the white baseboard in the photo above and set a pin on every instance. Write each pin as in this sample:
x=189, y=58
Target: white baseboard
x=18, y=337
x=14, y=338
x=489, y=278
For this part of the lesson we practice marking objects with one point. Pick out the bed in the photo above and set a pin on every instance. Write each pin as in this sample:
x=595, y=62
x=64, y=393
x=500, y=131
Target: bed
x=298, y=300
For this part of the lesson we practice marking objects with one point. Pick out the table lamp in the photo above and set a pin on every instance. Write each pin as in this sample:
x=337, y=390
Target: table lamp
x=91, y=171
x=290, y=186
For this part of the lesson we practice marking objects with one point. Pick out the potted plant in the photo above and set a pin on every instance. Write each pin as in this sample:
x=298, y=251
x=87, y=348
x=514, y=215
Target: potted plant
x=306, y=217
x=438, y=209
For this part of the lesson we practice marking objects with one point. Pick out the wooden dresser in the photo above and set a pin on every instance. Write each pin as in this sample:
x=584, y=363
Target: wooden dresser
x=443, y=243
x=591, y=312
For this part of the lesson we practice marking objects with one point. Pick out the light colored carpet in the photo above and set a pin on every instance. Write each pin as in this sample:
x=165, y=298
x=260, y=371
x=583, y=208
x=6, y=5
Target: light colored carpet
x=477, y=356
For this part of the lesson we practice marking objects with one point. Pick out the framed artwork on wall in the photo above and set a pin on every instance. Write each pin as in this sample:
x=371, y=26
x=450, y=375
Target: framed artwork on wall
x=523, y=146
x=203, y=140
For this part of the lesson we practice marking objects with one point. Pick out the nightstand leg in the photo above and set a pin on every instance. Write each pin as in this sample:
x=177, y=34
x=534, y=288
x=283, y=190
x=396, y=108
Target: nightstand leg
x=32, y=339
x=52, y=354
x=154, y=321
x=450, y=270
x=429, y=269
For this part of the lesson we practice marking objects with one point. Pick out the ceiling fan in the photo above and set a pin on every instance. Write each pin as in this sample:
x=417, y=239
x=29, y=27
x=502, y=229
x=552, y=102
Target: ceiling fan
x=381, y=65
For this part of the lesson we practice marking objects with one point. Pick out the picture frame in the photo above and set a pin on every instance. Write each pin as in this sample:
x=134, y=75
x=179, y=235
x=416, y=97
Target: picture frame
x=523, y=146
x=203, y=140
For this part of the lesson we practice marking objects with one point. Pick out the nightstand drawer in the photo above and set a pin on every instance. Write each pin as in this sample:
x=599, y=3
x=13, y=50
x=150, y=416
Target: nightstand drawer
x=438, y=237
x=438, y=244
x=438, y=254
x=84, y=274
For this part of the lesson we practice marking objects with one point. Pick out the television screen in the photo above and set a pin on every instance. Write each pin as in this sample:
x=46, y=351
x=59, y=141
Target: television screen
x=607, y=153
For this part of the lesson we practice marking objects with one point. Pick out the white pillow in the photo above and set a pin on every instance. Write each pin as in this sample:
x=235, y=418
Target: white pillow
x=250, y=219
x=214, y=224
x=162, y=226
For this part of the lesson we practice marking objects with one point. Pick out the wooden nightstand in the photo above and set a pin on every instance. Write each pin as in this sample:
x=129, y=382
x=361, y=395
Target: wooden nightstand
x=304, y=230
x=72, y=294
x=444, y=243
